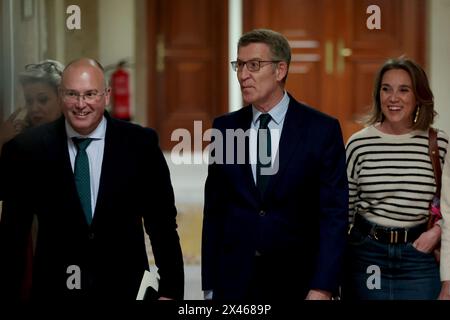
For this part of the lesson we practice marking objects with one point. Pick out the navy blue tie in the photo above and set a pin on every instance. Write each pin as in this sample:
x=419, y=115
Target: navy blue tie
x=264, y=152
x=82, y=176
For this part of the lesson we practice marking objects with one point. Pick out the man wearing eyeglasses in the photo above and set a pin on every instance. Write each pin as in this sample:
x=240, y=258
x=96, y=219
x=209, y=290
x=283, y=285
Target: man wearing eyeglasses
x=94, y=183
x=274, y=228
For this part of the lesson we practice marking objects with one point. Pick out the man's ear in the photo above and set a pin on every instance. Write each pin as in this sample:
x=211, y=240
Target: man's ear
x=282, y=70
x=107, y=95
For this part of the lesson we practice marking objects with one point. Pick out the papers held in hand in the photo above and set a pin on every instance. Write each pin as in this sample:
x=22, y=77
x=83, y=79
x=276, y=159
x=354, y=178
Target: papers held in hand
x=149, y=286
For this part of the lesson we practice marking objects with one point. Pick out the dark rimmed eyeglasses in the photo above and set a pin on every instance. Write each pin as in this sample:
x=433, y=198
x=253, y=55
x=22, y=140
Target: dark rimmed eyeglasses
x=90, y=96
x=252, y=65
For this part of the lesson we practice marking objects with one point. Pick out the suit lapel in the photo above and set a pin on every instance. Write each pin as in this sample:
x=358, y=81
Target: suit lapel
x=107, y=173
x=55, y=144
x=244, y=123
x=291, y=140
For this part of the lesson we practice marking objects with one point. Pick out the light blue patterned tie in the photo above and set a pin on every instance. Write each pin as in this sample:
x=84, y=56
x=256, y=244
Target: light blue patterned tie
x=82, y=176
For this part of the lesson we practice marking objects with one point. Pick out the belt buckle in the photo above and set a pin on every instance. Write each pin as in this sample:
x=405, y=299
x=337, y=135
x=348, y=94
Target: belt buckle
x=394, y=236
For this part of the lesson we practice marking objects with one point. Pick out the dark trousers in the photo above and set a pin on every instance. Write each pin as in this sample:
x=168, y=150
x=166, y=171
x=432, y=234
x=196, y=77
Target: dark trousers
x=273, y=280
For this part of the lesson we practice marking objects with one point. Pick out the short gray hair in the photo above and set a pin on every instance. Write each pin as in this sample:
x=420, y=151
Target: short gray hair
x=278, y=44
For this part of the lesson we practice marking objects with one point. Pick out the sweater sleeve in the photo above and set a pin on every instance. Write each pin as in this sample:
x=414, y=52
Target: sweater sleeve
x=352, y=180
x=445, y=209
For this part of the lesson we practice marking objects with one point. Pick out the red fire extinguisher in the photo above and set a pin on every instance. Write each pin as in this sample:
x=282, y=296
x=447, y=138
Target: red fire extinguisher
x=120, y=85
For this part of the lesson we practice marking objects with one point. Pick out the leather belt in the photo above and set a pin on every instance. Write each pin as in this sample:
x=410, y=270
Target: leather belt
x=386, y=234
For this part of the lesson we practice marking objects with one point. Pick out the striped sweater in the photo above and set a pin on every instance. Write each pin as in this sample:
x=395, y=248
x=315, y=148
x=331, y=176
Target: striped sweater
x=391, y=180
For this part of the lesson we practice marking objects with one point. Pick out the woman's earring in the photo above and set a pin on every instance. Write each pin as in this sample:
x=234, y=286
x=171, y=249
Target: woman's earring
x=416, y=117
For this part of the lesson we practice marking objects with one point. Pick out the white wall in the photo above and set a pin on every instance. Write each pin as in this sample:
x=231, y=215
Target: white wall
x=8, y=65
x=234, y=33
x=59, y=30
x=23, y=43
x=439, y=59
x=141, y=62
x=116, y=35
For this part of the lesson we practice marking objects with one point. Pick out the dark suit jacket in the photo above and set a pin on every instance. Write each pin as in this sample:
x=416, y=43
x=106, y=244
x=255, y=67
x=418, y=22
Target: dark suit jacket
x=299, y=225
x=110, y=253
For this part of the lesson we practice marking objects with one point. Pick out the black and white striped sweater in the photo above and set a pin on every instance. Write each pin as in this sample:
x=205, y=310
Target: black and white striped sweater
x=391, y=180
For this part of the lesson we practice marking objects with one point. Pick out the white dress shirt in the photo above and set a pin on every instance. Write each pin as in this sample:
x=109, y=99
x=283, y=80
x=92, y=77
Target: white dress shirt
x=278, y=113
x=95, y=154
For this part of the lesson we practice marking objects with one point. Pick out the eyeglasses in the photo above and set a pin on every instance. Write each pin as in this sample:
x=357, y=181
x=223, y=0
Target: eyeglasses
x=252, y=65
x=48, y=67
x=90, y=96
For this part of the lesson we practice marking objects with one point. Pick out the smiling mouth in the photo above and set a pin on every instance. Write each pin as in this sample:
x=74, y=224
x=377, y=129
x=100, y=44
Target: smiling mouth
x=394, y=108
x=81, y=114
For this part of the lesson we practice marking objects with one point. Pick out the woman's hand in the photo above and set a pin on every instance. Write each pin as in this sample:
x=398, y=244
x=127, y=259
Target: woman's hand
x=428, y=240
x=11, y=127
x=445, y=291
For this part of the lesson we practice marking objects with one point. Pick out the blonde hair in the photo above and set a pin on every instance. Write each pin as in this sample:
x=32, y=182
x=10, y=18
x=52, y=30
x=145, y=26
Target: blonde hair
x=47, y=71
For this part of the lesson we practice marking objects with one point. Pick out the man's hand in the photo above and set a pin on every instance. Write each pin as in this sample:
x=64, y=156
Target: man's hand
x=315, y=294
x=207, y=294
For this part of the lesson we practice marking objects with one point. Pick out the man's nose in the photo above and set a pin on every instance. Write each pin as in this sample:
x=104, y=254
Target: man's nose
x=81, y=101
x=243, y=72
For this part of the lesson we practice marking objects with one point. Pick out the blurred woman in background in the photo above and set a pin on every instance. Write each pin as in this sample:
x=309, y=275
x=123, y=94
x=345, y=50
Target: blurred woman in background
x=40, y=84
x=40, y=89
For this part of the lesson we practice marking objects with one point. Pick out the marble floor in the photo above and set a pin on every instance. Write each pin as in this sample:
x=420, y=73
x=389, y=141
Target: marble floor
x=189, y=229
x=188, y=184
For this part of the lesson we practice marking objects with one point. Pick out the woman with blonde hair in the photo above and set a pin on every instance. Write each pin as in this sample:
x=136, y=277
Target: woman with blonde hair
x=40, y=84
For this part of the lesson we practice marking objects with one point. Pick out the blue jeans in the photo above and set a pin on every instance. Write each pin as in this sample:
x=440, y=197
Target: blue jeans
x=379, y=271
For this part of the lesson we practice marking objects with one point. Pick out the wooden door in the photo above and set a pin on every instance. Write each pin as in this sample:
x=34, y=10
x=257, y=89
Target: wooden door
x=361, y=52
x=334, y=54
x=188, y=64
x=307, y=27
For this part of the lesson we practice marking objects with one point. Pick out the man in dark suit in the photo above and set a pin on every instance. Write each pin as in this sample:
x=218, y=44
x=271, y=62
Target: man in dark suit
x=92, y=201
x=279, y=233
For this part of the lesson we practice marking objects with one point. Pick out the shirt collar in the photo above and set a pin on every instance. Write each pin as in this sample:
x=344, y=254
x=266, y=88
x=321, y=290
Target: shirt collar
x=98, y=133
x=277, y=113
